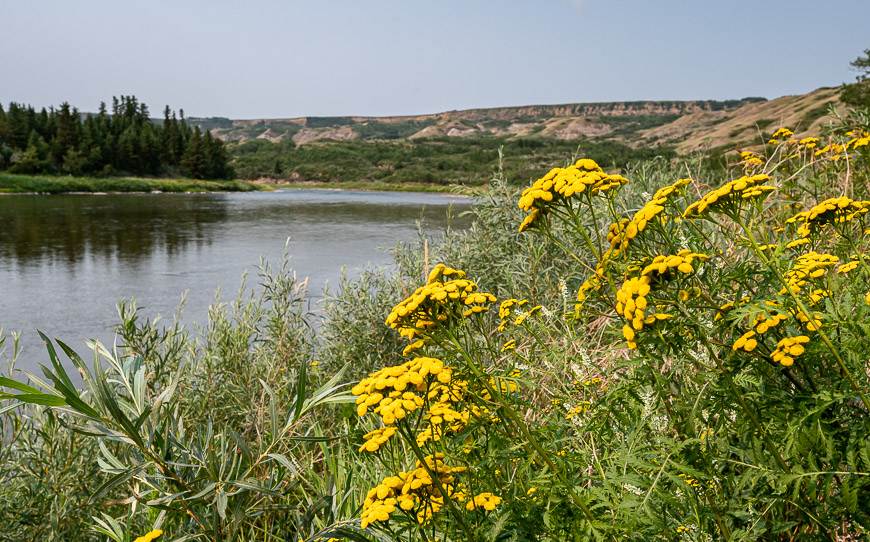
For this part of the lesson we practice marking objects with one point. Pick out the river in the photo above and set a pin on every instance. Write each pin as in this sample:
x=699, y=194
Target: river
x=65, y=261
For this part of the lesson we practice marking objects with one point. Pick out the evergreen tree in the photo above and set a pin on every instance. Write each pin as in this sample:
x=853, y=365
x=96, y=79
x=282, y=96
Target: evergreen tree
x=3, y=127
x=5, y=149
x=73, y=162
x=216, y=158
x=66, y=136
x=18, y=127
x=193, y=163
x=858, y=93
x=34, y=159
x=124, y=141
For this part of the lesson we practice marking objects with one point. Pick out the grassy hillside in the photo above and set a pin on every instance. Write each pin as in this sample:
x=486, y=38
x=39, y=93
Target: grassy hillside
x=747, y=124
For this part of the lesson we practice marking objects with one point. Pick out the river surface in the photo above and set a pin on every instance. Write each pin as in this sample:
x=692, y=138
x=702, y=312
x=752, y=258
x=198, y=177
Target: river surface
x=65, y=261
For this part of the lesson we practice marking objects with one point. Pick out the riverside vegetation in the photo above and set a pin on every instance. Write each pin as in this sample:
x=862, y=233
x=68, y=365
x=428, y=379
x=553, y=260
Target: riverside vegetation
x=668, y=353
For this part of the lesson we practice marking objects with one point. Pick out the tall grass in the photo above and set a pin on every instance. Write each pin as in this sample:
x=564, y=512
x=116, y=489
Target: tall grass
x=10, y=183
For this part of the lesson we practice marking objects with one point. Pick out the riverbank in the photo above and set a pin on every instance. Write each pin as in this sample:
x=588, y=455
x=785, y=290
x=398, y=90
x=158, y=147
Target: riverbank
x=47, y=184
x=44, y=184
x=372, y=186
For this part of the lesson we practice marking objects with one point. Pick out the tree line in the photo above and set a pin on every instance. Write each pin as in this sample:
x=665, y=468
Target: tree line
x=125, y=141
x=857, y=94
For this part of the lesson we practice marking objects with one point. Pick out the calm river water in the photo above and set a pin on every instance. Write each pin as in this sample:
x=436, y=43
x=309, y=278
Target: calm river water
x=65, y=261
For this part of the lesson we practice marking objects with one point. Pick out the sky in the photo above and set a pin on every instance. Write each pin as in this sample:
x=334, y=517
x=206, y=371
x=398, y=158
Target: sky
x=286, y=58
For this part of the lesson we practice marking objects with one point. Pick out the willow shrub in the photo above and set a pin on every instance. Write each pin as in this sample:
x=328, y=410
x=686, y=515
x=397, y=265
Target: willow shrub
x=215, y=438
x=708, y=381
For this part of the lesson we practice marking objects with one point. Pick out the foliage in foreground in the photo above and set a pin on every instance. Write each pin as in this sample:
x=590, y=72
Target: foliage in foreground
x=653, y=357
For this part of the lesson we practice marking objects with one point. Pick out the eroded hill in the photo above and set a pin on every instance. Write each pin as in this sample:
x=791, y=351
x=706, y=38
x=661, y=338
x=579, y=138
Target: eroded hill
x=562, y=122
x=684, y=125
x=746, y=125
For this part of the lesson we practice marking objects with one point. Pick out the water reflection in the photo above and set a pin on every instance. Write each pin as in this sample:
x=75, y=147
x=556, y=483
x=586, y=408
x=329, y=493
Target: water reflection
x=71, y=228
x=66, y=260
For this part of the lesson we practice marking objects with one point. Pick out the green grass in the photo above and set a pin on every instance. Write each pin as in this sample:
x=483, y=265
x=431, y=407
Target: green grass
x=374, y=186
x=444, y=160
x=44, y=184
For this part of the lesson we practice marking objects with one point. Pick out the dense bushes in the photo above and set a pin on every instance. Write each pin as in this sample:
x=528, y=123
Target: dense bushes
x=446, y=160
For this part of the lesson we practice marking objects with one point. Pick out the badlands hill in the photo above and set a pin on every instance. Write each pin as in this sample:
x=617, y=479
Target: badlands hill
x=685, y=125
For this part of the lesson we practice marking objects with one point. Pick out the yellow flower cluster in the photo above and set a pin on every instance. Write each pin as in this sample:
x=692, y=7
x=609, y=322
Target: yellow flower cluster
x=744, y=188
x=781, y=134
x=559, y=184
x=830, y=211
x=442, y=417
x=377, y=438
x=808, y=143
x=518, y=321
x=621, y=236
x=631, y=302
x=789, y=348
x=485, y=500
x=809, y=266
x=832, y=151
x=394, y=392
x=849, y=266
x=812, y=322
x=681, y=261
x=439, y=299
x=749, y=160
x=528, y=220
x=763, y=323
x=507, y=307
x=614, y=231
x=857, y=139
x=413, y=491
x=506, y=310
x=150, y=536
x=577, y=410
x=509, y=312
x=621, y=233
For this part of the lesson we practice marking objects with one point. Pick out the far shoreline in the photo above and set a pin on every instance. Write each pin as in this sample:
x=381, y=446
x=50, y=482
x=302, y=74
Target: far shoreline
x=45, y=185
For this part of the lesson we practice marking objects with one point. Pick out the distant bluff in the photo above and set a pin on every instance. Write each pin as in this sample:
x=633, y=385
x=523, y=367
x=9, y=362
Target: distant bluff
x=685, y=124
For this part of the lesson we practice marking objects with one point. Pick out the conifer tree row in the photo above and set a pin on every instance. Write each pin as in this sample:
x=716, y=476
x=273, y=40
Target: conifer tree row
x=126, y=141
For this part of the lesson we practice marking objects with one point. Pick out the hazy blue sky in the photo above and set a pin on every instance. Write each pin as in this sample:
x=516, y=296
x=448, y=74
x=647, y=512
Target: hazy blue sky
x=250, y=58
